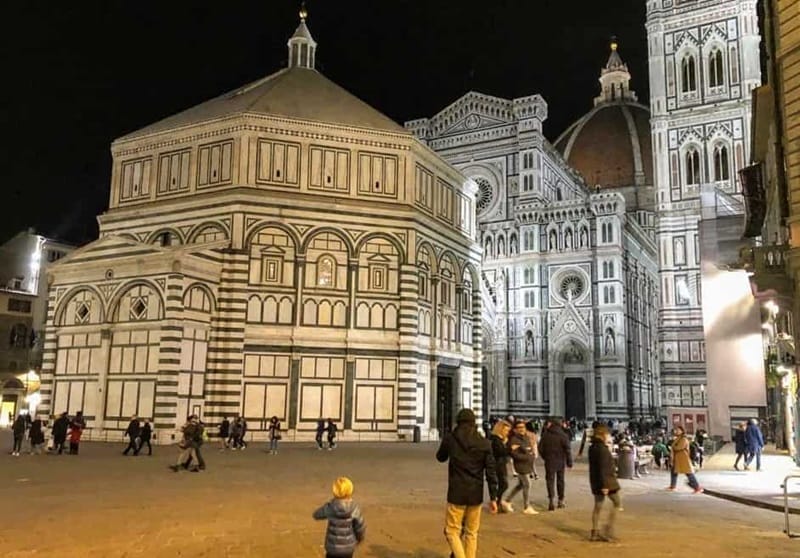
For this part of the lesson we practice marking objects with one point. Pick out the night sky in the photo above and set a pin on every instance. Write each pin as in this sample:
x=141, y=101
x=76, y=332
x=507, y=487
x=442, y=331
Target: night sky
x=76, y=75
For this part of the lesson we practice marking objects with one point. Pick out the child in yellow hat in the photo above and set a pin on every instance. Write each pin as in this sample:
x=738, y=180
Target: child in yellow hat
x=346, y=526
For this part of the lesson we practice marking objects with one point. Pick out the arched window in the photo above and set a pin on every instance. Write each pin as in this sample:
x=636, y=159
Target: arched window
x=721, y=163
x=688, y=75
x=692, y=166
x=326, y=269
x=610, y=232
x=612, y=295
x=605, y=270
x=609, y=392
x=716, y=68
x=604, y=232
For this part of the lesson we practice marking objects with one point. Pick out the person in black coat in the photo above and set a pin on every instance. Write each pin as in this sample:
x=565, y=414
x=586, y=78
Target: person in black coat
x=320, y=432
x=470, y=458
x=145, y=435
x=36, y=435
x=499, y=441
x=18, y=429
x=555, y=450
x=603, y=482
x=60, y=427
x=740, y=445
x=132, y=432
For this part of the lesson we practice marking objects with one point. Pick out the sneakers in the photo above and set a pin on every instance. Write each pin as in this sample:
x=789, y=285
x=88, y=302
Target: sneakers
x=506, y=506
x=530, y=511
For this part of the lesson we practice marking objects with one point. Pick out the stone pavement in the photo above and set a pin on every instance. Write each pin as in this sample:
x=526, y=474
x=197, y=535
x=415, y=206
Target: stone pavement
x=251, y=504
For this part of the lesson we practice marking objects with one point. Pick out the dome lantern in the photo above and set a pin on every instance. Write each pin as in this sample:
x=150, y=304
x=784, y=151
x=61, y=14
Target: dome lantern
x=302, y=46
x=615, y=79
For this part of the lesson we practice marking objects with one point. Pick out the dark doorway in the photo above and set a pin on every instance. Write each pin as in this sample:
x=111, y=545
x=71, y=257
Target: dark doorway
x=444, y=400
x=574, y=398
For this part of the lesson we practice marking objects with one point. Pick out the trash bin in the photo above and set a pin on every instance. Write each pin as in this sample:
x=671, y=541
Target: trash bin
x=417, y=435
x=625, y=463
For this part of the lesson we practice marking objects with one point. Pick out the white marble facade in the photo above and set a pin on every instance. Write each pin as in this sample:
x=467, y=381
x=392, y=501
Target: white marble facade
x=283, y=249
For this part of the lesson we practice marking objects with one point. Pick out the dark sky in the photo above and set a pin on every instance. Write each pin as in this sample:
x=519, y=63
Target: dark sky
x=76, y=75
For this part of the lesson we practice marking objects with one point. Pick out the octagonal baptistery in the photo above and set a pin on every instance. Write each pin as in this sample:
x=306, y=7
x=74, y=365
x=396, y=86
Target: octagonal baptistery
x=611, y=144
x=281, y=250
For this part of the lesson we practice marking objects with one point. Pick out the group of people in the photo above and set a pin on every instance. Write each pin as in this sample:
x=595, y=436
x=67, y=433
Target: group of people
x=138, y=435
x=330, y=429
x=32, y=429
x=232, y=433
x=749, y=442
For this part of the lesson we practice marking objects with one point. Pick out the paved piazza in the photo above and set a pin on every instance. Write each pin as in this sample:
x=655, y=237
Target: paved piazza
x=248, y=503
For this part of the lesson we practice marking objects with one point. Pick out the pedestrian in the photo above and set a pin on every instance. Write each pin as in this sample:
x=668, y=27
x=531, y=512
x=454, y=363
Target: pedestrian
x=739, y=444
x=554, y=447
x=346, y=525
x=332, y=431
x=18, y=429
x=499, y=441
x=521, y=452
x=132, y=432
x=470, y=460
x=660, y=453
x=224, y=433
x=192, y=438
x=36, y=435
x=236, y=434
x=319, y=433
x=681, y=461
x=60, y=428
x=603, y=483
x=76, y=427
x=144, y=438
x=754, y=443
x=274, y=435
x=533, y=436
x=243, y=439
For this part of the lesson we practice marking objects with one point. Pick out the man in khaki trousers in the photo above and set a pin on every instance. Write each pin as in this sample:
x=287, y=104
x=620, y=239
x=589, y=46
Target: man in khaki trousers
x=470, y=460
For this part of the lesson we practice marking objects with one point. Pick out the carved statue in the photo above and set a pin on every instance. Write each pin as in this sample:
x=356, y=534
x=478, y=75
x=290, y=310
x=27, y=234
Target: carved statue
x=584, y=240
x=573, y=354
x=568, y=240
x=553, y=240
x=529, y=344
x=609, y=347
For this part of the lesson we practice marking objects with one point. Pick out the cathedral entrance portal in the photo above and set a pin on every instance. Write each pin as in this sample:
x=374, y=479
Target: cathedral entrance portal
x=574, y=398
x=444, y=403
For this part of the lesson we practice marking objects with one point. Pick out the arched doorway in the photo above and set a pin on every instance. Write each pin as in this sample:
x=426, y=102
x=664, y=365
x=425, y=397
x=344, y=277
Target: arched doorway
x=574, y=398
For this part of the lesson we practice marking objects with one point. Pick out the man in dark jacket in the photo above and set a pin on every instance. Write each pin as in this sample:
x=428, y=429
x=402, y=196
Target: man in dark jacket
x=144, y=438
x=60, y=427
x=555, y=450
x=132, y=432
x=739, y=444
x=754, y=443
x=470, y=459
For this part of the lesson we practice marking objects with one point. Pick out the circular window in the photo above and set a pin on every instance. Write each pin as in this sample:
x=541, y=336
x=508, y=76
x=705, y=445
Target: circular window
x=485, y=195
x=571, y=286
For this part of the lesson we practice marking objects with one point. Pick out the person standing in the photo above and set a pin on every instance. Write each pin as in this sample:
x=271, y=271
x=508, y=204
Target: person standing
x=681, y=461
x=76, y=427
x=533, y=437
x=469, y=458
x=346, y=525
x=132, y=432
x=60, y=427
x=739, y=444
x=499, y=441
x=144, y=438
x=274, y=435
x=332, y=431
x=754, y=443
x=319, y=433
x=603, y=482
x=18, y=429
x=521, y=452
x=554, y=447
x=36, y=435
x=224, y=433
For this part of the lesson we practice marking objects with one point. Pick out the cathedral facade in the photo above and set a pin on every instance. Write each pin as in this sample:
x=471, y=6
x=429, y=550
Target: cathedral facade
x=282, y=250
x=570, y=268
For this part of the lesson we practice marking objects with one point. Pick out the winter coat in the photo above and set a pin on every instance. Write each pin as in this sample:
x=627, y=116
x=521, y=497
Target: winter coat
x=470, y=459
x=36, y=433
x=133, y=429
x=60, y=427
x=346, y=526
x=499, y=452
x=225, y=428
x=753, y=439
x=75, y=432
x=554, y=448
x=738, y=440
x=275, y=430
x=146, y=432
x=18, y=427
x=601, y=468
x=681, y=460
x=522, y=455
x=332, y=430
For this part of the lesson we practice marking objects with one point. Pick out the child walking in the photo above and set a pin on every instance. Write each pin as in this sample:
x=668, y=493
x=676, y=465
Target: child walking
x=603, y=482
x=346, y=526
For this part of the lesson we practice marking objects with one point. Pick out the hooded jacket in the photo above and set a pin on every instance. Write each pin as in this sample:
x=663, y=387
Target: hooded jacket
x=346, y=526
x=753, y=439
x=470, y=459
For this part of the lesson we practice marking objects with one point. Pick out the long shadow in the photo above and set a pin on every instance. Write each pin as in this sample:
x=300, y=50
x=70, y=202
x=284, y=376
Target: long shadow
x=380, y=551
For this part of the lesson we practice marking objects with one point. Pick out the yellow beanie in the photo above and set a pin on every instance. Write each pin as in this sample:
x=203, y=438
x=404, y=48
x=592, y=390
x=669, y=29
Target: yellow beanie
x=342, y=488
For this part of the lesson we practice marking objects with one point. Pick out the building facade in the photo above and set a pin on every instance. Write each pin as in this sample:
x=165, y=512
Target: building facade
x=704, y=63
x=283, y=249
x=569, y=272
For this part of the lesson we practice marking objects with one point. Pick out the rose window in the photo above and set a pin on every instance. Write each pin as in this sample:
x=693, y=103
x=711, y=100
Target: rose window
x=485, y=195
x=572, y=286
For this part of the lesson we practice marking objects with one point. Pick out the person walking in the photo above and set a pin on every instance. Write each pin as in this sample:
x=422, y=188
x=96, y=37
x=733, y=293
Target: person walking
x=132, y=432
x=499, y=441
x=681, y=461
x=76, y=427
x=332, y=430
x=243, y=438
x=554, y=447
x=521, y=452
x=740, y=444
x=346, y=525
x=469, y=458
x=319, y=433
x=603, y=482
x=60, y=427
x=18, y=429
x=533, y=436
x=36, y=435
x=144, y=438
x=224, y=433
x=754, y=443
x=192, y=438
x=274, y=435
x=236, y=434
